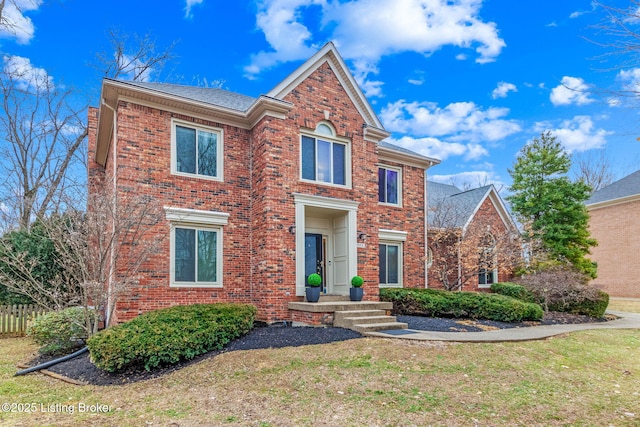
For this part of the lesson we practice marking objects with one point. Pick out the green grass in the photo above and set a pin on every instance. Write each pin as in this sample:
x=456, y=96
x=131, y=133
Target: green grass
x=588, y=378
x=632, y=306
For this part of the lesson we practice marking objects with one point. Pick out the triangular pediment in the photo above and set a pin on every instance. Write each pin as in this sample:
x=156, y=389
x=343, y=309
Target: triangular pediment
x=329, y=54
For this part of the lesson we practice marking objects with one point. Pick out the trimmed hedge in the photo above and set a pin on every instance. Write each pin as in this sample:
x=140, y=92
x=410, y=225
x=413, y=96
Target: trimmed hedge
x=513, y=290
x=440, y=303
x=169, y=335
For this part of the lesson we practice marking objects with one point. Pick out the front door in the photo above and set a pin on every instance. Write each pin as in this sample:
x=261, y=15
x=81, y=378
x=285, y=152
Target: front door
x=314, y=257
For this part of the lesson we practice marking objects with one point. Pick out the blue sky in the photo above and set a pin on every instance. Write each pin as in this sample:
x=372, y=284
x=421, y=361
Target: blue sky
x=466, y=81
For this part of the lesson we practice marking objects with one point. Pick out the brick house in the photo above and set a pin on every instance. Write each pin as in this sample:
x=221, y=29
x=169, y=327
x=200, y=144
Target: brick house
x=258, y=193
x=614, y=222
x=471, y=238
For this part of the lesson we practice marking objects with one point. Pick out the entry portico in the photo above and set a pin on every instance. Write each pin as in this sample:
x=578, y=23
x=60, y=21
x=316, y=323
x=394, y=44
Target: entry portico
x=326, y=238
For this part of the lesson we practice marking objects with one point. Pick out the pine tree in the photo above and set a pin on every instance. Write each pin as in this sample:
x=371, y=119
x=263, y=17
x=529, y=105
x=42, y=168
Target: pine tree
x=550, y=205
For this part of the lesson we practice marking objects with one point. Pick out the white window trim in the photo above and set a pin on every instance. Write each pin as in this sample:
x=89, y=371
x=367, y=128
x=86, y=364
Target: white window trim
x=494, y=273
x=219, y=154
x=399, y=171
x=400, y=245
x=392, y=235
x=195, y=216
x=197, y=220
x=332, y=139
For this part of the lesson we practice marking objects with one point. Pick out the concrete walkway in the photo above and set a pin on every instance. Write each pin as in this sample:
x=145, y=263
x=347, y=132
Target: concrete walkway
x=626, y=321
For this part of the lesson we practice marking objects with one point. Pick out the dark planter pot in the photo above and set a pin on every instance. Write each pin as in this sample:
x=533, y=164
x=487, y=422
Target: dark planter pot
x=356, y=294
x=312, y=293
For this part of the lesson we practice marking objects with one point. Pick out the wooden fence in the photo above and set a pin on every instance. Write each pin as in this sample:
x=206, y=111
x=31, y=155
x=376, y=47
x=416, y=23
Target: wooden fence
x=14, y=319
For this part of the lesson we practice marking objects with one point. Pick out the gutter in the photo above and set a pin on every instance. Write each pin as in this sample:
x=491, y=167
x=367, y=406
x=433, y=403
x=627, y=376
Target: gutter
x=107, y=313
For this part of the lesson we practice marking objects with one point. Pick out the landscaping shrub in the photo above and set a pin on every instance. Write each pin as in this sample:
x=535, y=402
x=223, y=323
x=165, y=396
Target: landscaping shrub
x=513, y=290
x=594, y=307
x=563, y=288
x=169, y=335
x=60, y=331
x=440, y=303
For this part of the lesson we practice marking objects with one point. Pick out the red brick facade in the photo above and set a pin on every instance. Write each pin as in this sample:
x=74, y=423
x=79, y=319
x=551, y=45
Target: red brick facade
x=260, y=189
x=616, y=228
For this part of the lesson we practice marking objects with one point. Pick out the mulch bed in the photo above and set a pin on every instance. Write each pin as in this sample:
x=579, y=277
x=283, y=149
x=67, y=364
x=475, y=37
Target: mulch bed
x=80, y=369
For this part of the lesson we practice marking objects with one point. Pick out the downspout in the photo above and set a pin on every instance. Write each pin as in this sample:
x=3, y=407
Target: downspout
x=51, y=362
x=108, y=309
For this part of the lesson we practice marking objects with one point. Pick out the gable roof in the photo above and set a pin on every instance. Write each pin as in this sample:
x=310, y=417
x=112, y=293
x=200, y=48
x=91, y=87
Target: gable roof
x=405, y=156
x=244, y=111
x=329, y=54
x=213, y=96
x=623, y=190
x=458, y=208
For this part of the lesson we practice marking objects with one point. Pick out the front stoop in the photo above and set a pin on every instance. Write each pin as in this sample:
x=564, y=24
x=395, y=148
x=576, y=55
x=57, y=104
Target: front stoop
x=364, y=321
x=361, y=316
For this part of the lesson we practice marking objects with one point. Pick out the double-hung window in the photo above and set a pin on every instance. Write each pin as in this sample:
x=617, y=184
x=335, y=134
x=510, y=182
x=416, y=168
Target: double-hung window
x=196, y=247
x=324, y=159
x=389, y=185
x=197, y=150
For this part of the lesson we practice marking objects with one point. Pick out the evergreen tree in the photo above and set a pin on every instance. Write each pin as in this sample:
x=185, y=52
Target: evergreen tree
x=550, y=205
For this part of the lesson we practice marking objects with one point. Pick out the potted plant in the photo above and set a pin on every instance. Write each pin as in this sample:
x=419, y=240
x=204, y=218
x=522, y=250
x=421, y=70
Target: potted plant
x=313, y=290
x=356, y=291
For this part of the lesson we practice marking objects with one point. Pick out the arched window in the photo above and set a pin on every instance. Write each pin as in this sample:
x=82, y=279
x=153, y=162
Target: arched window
x=325, y=157
x=325, y=129
x=429, y=257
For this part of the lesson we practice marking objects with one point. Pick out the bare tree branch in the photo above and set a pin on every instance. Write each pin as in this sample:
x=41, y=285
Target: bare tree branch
x=137, y=61
x=43, y=133
x=458, y=255
x=594, y=169
x=87, y=245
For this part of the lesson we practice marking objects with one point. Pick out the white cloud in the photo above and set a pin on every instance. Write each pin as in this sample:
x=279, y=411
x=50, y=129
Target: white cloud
x=577, y=134
x=503, y=89
x=470, y=179
x=25, y=74
x=436, y=148
x=459, y=121
x=132, y=68
x=422, y=26
x=367, y=30
x=630, y=80
x=189, y=5
x=290, y=39
x=15, y=24
x=571, y=90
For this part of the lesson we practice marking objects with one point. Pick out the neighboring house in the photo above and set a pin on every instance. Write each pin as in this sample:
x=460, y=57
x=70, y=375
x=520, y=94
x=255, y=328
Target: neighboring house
x=615, y=223
x=258, y=193
x=472, y=238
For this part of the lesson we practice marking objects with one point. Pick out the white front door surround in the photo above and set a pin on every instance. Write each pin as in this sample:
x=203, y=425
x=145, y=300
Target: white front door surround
x=342, y=215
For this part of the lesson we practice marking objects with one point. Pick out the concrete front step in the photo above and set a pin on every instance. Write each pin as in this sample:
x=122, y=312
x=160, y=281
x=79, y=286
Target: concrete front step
x=332, y=306
x=344, y=319
x=365, y=321
x=374, y=327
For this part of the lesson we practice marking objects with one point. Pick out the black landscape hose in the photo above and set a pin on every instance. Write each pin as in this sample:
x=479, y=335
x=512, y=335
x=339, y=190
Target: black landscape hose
x=51, y=362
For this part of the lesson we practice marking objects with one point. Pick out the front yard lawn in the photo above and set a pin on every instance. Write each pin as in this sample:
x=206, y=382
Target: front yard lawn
x=585, y=378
